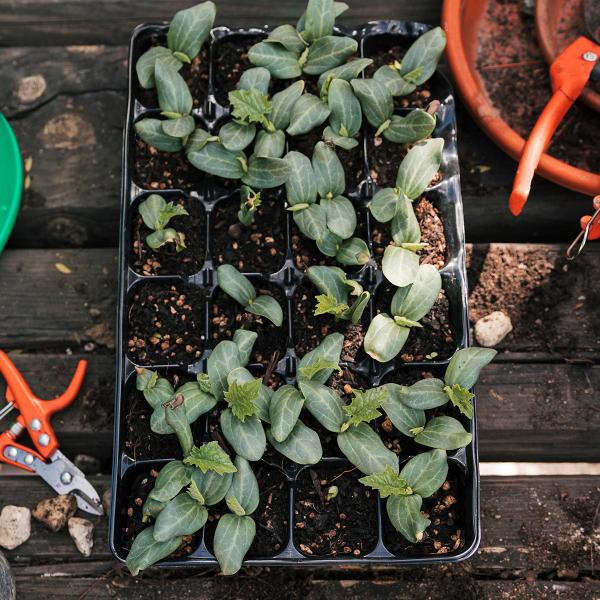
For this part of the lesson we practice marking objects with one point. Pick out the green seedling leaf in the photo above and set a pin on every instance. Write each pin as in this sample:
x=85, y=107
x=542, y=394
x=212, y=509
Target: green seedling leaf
x=419, y=166
x=235, y=285
x=355, y=312
x=312, y=221
x=425, y=473
x=341, y=216
x=249, y=204
x=268, y=307
x=288, y=37
x=151, y=132
x=329, y=52
x=391, y=79
x=264, y=173
x=385, y=204
x=400, y=266
x=236, y=135
x=327, y=304
x=176, y=418
x=405, y=228
x=243, y=493
x=353, y=252
x=405, y=419
x=204, y=383
x=146, y=551
x=461, y=398
x=194, y=491
x=250, y=106
x=159, y=392
x=173, y=93
x=233, y=538
x=181, y=127
x=421, y=296
x=283, y=104
x=210, y=457
x=301, y=185
x=321, y=364
x=159, y=238
x=324, y=405
x=364, y=406
x=319, y=19
x=348, y=71
x=156, y=212
x=424, y=394
x=216, y=160
x=365, y=450
x=257, y=79
x=173, y=477
x=404, y=322
x=152, y=508
x=465, y=366
x=244, y=340
x=181, y=516
x=308, y=112
x=331, y=137
x=190, y=28
x=384, y=339
x=147, y=61
x=338, y=9
x=198, y=140
x=222, y=360
x=242, y=376
x=387, y=483
x=330, y=350
x=421, y=59
x=329, y=172
x=241, y=398
x=282, y=63
x=405, y=515
x=301, y=446
x=346, y=114
x=444, y=432
x=246, y=438
x=329, y=244
x=145, y=380
x=330, y=281
x=286, y=405
x=375, y=99
x=211, y=485
x=414, y=127
x=270, y=144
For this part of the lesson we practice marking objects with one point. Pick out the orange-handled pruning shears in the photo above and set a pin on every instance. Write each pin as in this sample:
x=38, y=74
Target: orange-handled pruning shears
x=34, y=416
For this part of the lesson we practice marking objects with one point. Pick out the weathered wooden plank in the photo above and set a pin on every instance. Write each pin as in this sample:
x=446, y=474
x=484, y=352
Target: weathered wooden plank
x=532, y=526
x=40, y=22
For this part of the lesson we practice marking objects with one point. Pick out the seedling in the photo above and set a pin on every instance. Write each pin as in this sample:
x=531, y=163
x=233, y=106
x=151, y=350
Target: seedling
x=249, y=203
x=156, y=213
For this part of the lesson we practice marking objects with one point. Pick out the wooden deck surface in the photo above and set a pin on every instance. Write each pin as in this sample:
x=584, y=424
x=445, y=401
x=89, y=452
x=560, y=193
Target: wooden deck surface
x=540, y=401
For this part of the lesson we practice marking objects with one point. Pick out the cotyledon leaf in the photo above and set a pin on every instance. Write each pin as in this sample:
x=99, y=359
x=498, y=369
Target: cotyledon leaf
x=181, y=516
x=365, y=450
x=346, y=114
x=425, y=473
x=329, y=172
x=244, y=340
x=353, y=252
x=385, y=204
x=151, y=132
x=400, y=266
x=190, y=28
x=282, y=63
x=319, y=19
x=341, y=141
x=288, y=37
x=384, y=338
x=173, y=477
x=424, y=394
x=465, y=366
x=268, y=307
x=405, y=515
x=269, y=144
x=308, y=112
x=235, y=285
x=244, y=487
x=329, y=244
x=146, y=551
x=421, y=296
x=405, y=228
x=213, y=486
x=341, y=216
x=393, y=81
x=348, y=71
x=419, y=166
x=237, y=136
x=233, y=538
x=329, y=52
x=161, y=392
x=375, y=99
x=283, y=104
x=265, y=173
x=414, y=127
x=301, y=185
x=215, y=159
x=312, y=221
x=324, y=405
x=444, y=432
x=301, y=446
x=180, y=127
x=173, y=93
x=284, y=410
x=145, y=64
x=404, y=418
x=222, y=360
x=421, y=59
x=257, y=78
x=246, y=438
x=329, y=349
x=329, y=280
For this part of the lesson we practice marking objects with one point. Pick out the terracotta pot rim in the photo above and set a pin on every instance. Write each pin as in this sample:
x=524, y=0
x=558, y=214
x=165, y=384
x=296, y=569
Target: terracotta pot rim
x=484, y=113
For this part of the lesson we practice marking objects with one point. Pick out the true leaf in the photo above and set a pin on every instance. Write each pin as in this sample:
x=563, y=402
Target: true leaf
x=421, y=296
x=419, y=166
x=246, y=438
x=301, y=446
x=173, y=477
x=308, y=112
x=425, y=473
x=346, y=114
x=144, y=67
x=421, y=59
x=284, y=410
x=444, y=432
x=393, y=81
x=328, y=304
x=173, y=93
x=404, y=418
x=262, y=400
x=215, y=159
x=212, y=486
x=151, y=132
x=269, y=144
x=329, y=172
x=250, y=106
x=181, y=516
x=341, y=216
x=235, y=285
x=236, y=136
x=387, y=483
x=190, y=28
x=223, y=359
x=301, y=185
x=268, y=307
x=233, y=538
x=353, y=252
x=329, y=52
x=210, y=457
x=365, y=406
x=324, y=405
x=400, y=266
x=146, y=551
x=282, y=63
x=376, y=101
x=385, y=204
x=384, y=338
x=414, y=127
x=329, y=349
x=461, y=398
x=424, y=394
x=265, y=173
x=465, y=366
x=244, y=488
x=348, y=71
x=365, y=450
x=257, y=79
x=405, y=515
x=283, y=104
x=241, y=398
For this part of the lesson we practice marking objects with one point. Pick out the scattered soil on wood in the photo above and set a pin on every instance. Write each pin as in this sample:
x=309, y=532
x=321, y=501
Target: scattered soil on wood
x=166, y=260
x=131, y=515
x=434, y=340
x=432, y=234
x=226, y=316
x=517, y=80
x=446, y=532
x=156, y=170
x=166, y=324
x=309, y=330
x=260, y=248
x=230, y=60
x=343, y=526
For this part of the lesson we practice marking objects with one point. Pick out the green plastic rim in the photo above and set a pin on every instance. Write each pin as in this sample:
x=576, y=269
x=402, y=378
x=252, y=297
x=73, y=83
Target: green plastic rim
x=11, y=180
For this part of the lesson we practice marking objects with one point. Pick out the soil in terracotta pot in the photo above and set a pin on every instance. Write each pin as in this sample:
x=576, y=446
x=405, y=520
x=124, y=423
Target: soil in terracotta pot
x=352, y=160
x=230, y=60
x=226, y=316
x=433, y=341
x=132, y=515
x=166, y=324
x=259, y=248
x=156, y=170
x=344, y=526
x=432, y=234
x=517, y=81
x=166, y=260
x=446, y=532
x=309, y=330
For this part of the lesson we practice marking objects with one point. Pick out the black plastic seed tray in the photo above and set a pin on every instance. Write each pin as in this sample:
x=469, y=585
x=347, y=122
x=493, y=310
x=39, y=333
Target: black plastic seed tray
x=130, y=468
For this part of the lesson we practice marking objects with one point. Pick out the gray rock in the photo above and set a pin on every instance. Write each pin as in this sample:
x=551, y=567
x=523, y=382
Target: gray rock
x=15, y=526
x=8, y=590
x=492, y=329
x=55, y=512
x=82, y=533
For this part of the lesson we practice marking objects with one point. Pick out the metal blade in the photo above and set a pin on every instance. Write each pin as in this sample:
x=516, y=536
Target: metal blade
x=62, y=475
x=591, y=16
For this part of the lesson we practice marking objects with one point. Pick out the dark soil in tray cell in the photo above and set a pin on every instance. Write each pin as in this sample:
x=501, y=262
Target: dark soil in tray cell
x=434, y=340
x=343, y=383
x=309, y=330
x=230, y=60
x=166, y=324
x=166, y=260
x=156, y=170
x=259, y=248
x=432, y=234
x=446, y=532
x=226, y=316
x=141, y=486
x=352, y=160
x=517, y=81
x=345, y=526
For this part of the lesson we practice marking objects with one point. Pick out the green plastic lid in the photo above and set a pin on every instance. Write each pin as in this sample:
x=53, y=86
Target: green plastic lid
x=11, y=180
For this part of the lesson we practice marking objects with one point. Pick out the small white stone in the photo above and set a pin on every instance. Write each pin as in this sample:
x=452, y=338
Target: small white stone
x=492, y=329
x=82, y=533
x=15, y=526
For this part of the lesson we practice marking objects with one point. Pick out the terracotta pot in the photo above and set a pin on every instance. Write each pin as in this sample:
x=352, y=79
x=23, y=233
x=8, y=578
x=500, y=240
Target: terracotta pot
x=461, y=20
